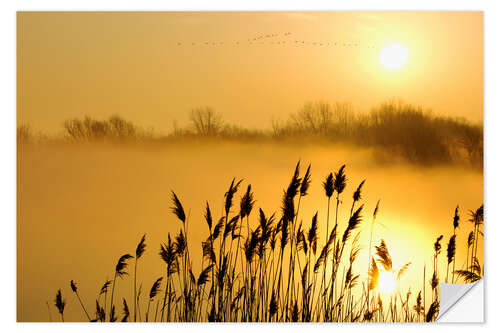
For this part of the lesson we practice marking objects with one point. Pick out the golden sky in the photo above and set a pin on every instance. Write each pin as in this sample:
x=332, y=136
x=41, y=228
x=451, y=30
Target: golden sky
x=131, y=64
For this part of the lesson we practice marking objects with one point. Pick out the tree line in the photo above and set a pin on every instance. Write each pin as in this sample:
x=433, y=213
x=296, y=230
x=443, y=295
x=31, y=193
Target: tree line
x=402, y=129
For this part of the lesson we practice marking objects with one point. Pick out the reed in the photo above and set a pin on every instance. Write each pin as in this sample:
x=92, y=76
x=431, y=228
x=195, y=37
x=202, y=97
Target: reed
x=119, y=272
x=60, y=304
x=270, y=267
x=75, y=290
x=141, y=247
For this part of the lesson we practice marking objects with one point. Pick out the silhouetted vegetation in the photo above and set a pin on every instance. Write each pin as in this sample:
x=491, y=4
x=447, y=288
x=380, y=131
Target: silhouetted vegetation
x=401, y=129
x=398, y=129
x=206, y=122
x=115, y=128
x=24, y=134
x=273, y=267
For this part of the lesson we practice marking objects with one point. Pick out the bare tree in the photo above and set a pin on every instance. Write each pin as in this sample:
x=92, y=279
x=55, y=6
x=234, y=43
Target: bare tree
x=24, y=134
x=343, y=118
x=472, y=140
x=206, y=121
x=313, y=117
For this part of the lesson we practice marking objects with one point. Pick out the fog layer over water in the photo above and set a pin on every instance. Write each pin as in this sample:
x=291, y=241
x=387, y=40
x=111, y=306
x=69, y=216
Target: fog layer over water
x=80, y=207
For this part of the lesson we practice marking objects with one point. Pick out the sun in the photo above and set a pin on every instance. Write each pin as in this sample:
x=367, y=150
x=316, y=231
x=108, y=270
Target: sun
x=394, y=56
x=386, y=282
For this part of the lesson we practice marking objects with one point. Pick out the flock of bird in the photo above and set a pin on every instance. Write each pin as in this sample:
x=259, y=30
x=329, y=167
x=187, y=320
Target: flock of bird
x=277, y=39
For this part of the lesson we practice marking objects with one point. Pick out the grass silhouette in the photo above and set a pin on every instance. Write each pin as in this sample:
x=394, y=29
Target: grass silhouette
x=257, y=267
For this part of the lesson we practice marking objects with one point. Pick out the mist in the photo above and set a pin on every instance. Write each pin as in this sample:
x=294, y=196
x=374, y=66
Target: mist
x=82, y=206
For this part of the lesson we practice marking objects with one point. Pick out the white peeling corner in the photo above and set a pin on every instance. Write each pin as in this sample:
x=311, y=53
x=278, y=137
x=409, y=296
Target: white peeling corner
x=462, y=303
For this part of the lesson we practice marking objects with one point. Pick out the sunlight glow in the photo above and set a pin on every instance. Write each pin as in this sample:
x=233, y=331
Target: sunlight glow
x=394, y=56
x=386, y=282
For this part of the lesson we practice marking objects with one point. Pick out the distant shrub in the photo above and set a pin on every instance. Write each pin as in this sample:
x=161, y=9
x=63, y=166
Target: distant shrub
x=24, y=134
x=114, y=129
